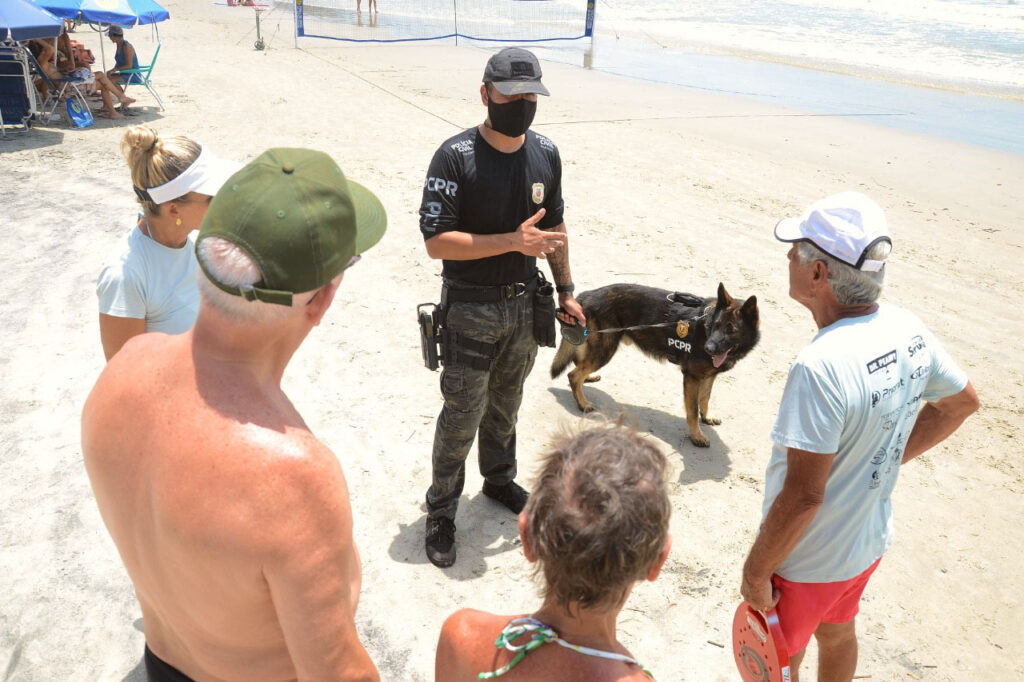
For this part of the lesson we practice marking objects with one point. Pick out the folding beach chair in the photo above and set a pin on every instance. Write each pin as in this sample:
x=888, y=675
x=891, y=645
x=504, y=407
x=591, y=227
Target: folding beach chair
x=62, y=93
x=18, y=103
x=142, y=76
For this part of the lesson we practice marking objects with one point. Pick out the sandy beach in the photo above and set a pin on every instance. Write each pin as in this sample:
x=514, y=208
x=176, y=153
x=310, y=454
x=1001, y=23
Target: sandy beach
x=663, y=186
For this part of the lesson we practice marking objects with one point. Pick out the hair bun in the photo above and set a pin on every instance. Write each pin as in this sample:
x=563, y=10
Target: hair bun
x=139, y=138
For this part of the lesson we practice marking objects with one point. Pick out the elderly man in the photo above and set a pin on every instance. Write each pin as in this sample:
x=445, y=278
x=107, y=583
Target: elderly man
x=232, y=519
x=492, y=205
x=873, y=390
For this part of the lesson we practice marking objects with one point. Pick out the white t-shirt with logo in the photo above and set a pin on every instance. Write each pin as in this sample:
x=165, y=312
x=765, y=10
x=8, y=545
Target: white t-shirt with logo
x=153, y=282
x=855, y=390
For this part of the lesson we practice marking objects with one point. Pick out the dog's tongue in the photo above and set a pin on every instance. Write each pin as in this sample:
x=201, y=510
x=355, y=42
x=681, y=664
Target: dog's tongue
x=719, y=359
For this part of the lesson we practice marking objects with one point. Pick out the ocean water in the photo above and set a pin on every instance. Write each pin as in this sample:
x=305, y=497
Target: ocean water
x=976, y=46
x=947, y=68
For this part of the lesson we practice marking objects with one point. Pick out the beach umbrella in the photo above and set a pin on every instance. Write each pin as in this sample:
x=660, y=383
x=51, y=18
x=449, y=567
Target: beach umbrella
x=21, y=20
x=99, y=12
x=120, y=12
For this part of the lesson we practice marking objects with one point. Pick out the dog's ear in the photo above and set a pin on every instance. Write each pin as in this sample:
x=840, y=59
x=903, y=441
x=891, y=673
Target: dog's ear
x=749, y=311
x=724, y=299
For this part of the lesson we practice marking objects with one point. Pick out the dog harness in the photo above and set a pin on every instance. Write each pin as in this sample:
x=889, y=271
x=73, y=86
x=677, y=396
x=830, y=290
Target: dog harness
x=676, y=330
x=542, y=634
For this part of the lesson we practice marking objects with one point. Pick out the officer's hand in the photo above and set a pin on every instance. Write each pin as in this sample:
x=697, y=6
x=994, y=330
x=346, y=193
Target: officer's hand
x=572, y=310
x=535, y=242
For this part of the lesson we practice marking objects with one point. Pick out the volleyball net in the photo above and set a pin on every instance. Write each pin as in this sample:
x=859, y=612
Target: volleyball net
x=500, y=21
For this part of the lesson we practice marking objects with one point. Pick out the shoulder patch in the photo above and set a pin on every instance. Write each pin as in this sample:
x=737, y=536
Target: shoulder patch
x=545, y=142
x=461, y=143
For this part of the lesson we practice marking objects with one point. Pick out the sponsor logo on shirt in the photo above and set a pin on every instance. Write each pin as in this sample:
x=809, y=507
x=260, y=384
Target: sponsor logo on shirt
x=896, y=456
x=879, y=457
x=921, y=372
x=876, y=479
x=449, y=187
x=886, y=393
x=912, y=403
x=679, y=345
x=882, y=361
x=538, y=193
x=916, y=344
x=890, y=419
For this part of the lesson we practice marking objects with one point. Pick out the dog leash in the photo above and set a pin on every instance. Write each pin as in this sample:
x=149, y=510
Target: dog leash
x=578, y=331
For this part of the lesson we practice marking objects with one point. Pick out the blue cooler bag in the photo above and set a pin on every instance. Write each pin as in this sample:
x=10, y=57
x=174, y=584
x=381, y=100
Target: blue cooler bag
x=82, y=118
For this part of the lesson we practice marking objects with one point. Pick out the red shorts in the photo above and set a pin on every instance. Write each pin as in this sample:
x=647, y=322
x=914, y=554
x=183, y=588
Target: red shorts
x=804, y=606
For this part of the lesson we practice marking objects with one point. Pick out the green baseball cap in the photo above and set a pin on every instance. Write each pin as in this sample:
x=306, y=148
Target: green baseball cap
x=294, y=213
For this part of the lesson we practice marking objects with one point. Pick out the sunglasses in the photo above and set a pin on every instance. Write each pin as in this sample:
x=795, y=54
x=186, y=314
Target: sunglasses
x=352, y=261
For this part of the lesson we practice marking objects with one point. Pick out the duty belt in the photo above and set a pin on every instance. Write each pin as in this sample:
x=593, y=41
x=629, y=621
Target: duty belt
x=488, y=293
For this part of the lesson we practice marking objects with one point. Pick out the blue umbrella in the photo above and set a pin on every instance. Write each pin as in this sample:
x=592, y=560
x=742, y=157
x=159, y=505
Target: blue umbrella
x=120, y=12
x=21, y=20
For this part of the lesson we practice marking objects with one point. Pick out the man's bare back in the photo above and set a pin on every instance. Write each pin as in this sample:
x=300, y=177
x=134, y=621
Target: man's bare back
x=220, y=507
x=232, y=519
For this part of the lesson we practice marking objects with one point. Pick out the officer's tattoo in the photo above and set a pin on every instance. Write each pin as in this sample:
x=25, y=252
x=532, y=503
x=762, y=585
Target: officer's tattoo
x=558, y=260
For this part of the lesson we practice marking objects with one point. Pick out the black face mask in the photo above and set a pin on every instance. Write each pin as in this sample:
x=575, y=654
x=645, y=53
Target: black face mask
x=512, y=118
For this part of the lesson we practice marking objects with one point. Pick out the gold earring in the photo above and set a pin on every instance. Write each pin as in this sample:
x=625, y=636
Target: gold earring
x=177, y=222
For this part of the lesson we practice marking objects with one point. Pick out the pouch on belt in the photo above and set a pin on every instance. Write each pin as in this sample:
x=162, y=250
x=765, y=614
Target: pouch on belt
x=544, y=313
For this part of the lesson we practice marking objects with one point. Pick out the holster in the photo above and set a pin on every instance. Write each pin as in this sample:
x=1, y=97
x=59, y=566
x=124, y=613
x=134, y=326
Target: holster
x=458, y=350
x=544, y=313
x=430, y=334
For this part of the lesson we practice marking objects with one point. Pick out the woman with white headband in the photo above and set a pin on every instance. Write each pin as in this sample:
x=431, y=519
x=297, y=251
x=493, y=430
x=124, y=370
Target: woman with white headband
x=151, y=286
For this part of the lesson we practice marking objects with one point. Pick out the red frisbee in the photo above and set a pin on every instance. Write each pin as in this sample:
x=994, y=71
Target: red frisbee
x=759, y=645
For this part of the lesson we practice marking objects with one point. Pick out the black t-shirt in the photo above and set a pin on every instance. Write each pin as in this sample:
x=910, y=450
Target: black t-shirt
x=472, y=187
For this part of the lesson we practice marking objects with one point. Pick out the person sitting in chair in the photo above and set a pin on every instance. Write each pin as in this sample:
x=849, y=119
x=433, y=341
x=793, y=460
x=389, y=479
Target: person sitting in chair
x=43, y=51
x=595, y=525
x=112, y=81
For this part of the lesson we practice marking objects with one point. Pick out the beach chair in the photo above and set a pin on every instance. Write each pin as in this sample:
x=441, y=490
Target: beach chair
x=18, y=105
x=142, y=76
x=62, y=93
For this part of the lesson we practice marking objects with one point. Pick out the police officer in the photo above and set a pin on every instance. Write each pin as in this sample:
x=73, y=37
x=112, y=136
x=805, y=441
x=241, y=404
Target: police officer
x=492, y=204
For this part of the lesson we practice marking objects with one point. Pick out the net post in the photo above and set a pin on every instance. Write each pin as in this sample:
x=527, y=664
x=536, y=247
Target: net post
x=588, y=54
x=295, y=18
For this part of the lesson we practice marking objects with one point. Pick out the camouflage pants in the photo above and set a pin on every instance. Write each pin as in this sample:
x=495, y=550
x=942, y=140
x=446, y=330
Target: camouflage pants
x=482, y=400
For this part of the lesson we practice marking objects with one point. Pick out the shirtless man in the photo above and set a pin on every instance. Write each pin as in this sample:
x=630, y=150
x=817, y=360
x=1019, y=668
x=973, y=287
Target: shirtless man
x=232, y=519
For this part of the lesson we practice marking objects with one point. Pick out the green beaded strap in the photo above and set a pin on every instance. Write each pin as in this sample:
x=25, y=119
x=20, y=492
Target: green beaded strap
x=542, y=634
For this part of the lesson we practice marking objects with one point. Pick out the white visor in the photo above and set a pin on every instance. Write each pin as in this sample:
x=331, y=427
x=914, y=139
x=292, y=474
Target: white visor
x=205, y=176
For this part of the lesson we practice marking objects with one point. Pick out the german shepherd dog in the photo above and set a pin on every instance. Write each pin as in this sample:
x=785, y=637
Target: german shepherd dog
x=704, y=336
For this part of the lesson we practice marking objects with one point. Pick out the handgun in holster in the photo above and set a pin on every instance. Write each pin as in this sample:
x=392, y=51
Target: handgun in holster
x=430, y=334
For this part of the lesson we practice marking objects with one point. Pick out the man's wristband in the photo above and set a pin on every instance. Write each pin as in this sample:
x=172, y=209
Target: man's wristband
x=565, y=288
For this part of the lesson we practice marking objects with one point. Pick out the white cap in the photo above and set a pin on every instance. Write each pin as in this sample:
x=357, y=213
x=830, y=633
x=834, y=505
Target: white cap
x=844, y=226
x=206, y=175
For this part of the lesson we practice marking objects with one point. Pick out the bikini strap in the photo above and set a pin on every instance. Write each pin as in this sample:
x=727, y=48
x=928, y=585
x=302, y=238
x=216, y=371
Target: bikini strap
x=516, y=628
x=543, y=634
x=610, y=655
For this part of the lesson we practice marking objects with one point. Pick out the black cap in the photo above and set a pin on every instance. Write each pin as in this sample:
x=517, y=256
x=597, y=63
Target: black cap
x=515, y=71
